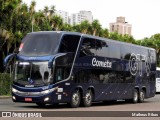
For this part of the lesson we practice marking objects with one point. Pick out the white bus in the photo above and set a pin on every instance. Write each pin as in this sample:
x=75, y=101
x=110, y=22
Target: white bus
x=158, y=80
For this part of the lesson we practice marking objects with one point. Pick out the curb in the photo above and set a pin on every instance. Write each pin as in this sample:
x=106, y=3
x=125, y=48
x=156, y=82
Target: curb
x=5, y=97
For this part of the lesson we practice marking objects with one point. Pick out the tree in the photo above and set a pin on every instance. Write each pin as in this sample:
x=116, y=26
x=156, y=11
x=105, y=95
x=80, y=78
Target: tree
x=147, y=42
x=51, y=12
x=114, y=35
x=76, y=28
x=156, y=41
x=56, y=22
x=32, y=12
x=85, y=27
x=39, y=20
x=67, y=27
x=104, y=33
x=96, y=27
x=127, y=38
x=5, y=43
x=46, y=9
x=5, y=36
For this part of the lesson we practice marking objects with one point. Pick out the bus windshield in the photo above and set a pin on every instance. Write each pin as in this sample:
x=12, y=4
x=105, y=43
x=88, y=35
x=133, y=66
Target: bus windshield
x=39, y=44
x=35, y=73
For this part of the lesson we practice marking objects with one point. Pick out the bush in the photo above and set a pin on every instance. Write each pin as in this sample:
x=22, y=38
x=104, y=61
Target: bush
x=5, y=84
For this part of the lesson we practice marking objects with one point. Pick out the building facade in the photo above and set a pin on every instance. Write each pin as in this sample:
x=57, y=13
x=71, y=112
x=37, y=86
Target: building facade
x=77, y=18
x=121, y=26
x=64, y=15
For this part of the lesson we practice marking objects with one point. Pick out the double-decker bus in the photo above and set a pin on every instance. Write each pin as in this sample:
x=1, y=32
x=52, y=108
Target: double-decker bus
x=67, y=67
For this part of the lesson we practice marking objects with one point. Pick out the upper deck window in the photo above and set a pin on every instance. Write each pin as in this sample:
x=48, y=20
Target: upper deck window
x=69, y=43
x=40, y=44
x=88, y=47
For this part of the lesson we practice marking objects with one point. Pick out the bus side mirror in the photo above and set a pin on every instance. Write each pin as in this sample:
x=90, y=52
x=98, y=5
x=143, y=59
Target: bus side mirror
x=8, y=58
x=53, y=58
x=50, y=62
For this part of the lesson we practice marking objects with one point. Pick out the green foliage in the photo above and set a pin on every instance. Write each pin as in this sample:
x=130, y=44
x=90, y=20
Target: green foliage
x=85, y=27
x=96, y=27
x=114, y=36
x=5, y=84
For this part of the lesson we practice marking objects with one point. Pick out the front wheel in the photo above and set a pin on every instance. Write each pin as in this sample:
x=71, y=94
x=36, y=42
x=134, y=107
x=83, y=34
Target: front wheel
x=141, y=96
x=87, y=101
x=135, y=96
x=75, y=99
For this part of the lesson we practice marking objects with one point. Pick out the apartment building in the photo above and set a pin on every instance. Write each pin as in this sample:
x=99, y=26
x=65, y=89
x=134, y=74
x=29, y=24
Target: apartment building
x=121, y=26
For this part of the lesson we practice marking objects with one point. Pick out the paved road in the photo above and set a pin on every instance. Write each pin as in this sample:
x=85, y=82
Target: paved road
x=152, y=104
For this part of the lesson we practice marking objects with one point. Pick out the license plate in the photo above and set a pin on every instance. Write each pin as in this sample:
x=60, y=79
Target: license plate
x=28, y=99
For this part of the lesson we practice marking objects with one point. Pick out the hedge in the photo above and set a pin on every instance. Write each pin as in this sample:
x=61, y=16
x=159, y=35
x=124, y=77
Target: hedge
x=5, y=84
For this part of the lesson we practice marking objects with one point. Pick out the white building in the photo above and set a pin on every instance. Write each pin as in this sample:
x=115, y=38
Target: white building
x=64, y=15
x=77, y=18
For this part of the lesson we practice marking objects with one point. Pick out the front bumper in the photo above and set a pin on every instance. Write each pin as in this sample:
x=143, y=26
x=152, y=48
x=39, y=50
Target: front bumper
x=47, y=99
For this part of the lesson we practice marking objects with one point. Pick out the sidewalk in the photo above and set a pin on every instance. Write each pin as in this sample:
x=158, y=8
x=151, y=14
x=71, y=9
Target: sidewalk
x=5, y=97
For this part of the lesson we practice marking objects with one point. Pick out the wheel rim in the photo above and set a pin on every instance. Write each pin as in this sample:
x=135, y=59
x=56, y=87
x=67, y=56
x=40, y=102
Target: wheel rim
x=88, y=98
x=75, y=98
x=142, y=96
x=135, y=97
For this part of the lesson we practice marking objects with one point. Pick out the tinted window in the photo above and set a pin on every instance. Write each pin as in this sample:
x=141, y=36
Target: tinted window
x=157, y=74
x=88, y=47
x=69, y=43
x=99, y=76
x=152, y=55
x=114, y=50
x=102, y=48
x=125, y=51
x=38, y=44
x=82, y=76
x=61, y=73
x=136, y=50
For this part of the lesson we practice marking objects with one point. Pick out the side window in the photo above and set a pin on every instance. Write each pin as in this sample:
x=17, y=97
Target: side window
x=102, y=48
x=61, y=73
x=69, y=43
x=152, y=55
x=88, y=47
x=114, y=50
x=125, y=51
x=82, y=76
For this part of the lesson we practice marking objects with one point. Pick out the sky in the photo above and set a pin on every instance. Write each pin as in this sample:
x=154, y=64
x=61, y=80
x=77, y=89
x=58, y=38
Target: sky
x=143, y=15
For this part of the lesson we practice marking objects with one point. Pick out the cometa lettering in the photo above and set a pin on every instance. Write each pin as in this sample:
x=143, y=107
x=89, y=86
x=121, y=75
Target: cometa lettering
x=98, y=63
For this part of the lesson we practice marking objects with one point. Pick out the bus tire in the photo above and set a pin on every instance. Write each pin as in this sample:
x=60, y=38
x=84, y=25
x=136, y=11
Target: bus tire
x=87, y=101
x=135, y=96
x=141, y=96
x=75, y=99
x=41, y=104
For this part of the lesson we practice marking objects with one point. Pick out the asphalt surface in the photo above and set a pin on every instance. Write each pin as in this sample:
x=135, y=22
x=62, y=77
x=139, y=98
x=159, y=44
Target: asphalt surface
x=150, y=105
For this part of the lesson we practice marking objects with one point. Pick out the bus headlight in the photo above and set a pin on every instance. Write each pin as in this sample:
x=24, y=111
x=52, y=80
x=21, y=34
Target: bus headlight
x=45, y=92
x=48, y=91
x=14, y=90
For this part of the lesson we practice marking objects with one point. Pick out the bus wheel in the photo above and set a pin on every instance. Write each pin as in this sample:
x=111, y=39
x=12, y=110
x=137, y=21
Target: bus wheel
x=75, y=99
x=87, y=101
x=141, y=96
x=135, y=96
x=41, y=104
